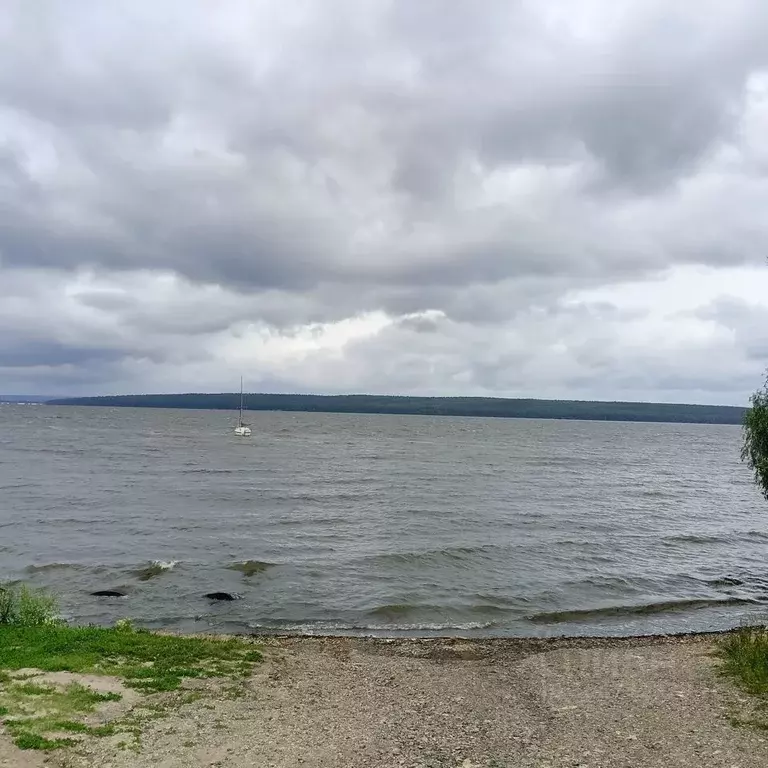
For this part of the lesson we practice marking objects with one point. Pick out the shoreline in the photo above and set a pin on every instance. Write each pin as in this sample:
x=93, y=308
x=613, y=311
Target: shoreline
x=465, y=648
x=710, y=633
x=654, y=700
x=544, y=642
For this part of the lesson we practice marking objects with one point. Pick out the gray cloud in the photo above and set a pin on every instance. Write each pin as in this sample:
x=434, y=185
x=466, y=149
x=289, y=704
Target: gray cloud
x=176, y=177
x=30, y=354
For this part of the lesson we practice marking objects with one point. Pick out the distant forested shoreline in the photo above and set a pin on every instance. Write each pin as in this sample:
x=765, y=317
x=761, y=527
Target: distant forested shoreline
x=430, y=406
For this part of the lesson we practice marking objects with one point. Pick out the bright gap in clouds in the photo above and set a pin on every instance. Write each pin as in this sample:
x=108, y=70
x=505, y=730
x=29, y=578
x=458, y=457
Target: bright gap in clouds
x=636, y=335
x=694, y=334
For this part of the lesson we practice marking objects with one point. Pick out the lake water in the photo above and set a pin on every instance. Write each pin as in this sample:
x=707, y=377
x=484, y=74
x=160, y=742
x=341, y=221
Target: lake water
x=382, y=524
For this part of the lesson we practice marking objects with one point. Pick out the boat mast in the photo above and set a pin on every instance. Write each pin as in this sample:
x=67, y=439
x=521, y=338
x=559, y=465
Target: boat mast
x=240, y=421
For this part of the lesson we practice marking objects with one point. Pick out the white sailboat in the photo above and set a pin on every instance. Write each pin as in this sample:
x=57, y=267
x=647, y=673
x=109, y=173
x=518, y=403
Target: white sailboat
x=242, y=430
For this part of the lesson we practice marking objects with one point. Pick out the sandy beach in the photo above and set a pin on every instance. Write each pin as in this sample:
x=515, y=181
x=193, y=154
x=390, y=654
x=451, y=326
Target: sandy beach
x=367, y=703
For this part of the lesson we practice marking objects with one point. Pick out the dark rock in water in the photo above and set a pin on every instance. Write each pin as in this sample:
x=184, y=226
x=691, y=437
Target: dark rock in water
x=108, y=593
x=222, y=596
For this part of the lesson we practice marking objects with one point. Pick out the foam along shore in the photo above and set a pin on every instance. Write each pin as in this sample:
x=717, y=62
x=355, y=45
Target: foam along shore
x=429, y=703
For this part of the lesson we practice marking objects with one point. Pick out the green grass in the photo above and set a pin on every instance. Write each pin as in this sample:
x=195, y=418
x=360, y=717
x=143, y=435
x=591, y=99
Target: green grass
x=37, y=714
x=74, y=698
x=145, y=661
x=75, y=727
x=745, y=658
x=35, y=711
x=30, y=689
x=28, y=740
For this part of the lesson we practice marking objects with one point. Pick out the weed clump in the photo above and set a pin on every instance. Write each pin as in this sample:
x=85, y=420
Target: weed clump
x=22, y=606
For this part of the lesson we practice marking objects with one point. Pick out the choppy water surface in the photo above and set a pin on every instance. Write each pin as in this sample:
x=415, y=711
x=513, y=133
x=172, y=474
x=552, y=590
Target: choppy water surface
x=382, y=524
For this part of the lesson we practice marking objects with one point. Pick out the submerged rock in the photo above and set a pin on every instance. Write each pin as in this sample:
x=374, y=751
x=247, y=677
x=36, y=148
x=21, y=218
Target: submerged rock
x=109, y=593
x=222, y=596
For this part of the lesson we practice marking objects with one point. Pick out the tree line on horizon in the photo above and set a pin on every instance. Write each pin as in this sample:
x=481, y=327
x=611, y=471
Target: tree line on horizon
x=433, y=406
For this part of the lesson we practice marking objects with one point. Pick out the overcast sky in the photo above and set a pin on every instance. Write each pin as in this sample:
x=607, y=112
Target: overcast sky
x=560, y=198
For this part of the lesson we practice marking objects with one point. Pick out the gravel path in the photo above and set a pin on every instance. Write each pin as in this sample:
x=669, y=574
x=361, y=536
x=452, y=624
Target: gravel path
x=355, y=703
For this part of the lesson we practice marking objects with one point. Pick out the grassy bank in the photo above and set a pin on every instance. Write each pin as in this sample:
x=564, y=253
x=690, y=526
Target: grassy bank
x=744, y=654
x=745, y=658
x=45, y=710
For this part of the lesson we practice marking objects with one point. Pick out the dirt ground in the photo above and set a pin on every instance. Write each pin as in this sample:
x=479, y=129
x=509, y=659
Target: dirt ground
x=362, y=703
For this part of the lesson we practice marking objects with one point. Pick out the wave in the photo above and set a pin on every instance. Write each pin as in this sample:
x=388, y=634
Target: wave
x=403, y=610
x=56, y=451
x=208, y=471
x=305, y=522
x=399, y=609
x=331, y=627
x=155, y=568
x=703, y=538
x=725, y=581
x=45, y=567
x=331, y=495
x=431, y=556
x=73, y=521
x=250, y=567
x=694, y=538
x=88, y=568
x=558, y=617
